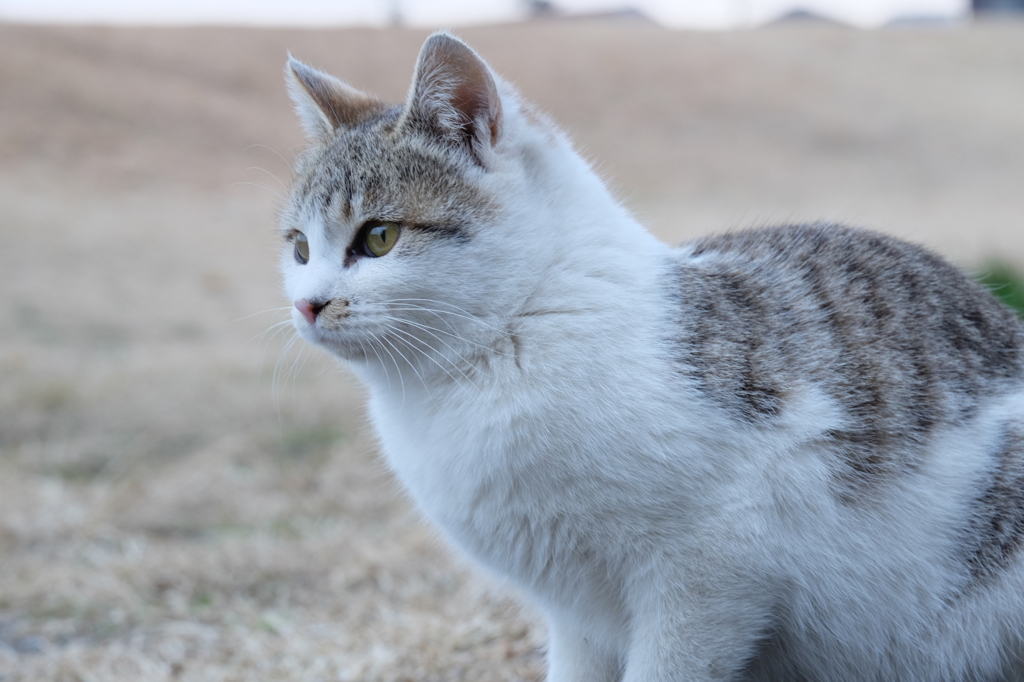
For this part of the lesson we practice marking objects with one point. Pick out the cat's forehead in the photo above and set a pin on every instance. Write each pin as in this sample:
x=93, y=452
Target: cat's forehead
x=380, y=171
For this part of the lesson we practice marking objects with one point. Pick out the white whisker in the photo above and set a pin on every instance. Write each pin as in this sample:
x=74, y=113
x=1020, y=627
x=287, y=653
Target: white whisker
x=398, y=350
x=265, y=340
x=398, y=369
x=261, y=186
x=380, y=359
x=300, y=361
x=427, y=329
x=259, y=168
x=271, y=149
x=276, y=328
x=262, y=312
x=430, y=329
x=459, y=312
x=394, y=344
x=432, y=359
x=274, y=385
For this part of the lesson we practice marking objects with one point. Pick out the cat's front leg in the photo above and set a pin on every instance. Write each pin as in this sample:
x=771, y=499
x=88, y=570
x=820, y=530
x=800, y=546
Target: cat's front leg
x=682, y=638
x=575, y=657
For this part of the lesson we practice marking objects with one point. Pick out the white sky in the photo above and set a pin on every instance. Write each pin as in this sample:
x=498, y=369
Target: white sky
x=710, y=14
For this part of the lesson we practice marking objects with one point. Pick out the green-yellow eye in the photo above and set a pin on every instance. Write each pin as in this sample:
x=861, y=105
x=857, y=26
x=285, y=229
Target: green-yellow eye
x=379, y=237
x=301, y=248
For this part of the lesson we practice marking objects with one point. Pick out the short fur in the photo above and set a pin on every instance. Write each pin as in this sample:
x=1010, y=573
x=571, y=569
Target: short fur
x=793, y=453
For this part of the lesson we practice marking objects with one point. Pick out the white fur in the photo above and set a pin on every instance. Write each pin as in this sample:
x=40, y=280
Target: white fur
x=549, y=438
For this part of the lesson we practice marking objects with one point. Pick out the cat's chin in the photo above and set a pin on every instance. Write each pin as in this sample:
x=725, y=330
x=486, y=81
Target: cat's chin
x=353, y=350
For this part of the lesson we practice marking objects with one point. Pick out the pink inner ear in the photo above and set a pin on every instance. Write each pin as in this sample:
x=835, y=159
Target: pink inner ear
x=450, y=75
x=479, y=99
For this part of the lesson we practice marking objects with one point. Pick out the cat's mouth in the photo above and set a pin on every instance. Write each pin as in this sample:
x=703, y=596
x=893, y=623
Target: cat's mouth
x=351, y=335
x=328, y=324
x=339, y=342
x=402, y=331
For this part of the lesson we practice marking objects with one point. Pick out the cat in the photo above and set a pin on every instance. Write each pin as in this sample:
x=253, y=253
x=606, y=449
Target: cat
x=791, y=453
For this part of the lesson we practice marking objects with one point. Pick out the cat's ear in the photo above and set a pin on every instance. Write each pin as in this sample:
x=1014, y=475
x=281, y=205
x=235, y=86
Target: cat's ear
x=454, y=93
x=324, y=103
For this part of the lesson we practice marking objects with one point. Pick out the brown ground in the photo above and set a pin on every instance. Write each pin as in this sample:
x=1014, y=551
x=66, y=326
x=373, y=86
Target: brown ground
x=180, y=498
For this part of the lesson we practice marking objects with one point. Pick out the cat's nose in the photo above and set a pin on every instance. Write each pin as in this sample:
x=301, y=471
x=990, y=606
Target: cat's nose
x=310, y=309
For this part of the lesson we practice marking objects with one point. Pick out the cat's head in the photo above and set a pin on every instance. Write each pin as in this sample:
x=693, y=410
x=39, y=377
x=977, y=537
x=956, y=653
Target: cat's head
x=409, y=227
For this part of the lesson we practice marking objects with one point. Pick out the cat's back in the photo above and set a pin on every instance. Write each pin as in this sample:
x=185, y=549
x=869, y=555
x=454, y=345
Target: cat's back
x=903, y=342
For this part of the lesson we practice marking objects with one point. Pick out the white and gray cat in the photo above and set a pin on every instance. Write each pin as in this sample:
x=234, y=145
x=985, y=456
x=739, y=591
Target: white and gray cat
x=788, y=454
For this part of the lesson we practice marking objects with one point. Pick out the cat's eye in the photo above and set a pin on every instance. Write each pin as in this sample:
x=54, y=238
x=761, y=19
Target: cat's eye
x=301, y=248
x=380, y=236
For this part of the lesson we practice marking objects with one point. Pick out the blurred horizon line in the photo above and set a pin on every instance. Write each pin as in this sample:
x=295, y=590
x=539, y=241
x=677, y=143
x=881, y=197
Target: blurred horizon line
x=693, y=14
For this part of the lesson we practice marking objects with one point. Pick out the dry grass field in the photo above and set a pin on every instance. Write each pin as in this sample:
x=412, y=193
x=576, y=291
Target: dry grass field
x=183, y=496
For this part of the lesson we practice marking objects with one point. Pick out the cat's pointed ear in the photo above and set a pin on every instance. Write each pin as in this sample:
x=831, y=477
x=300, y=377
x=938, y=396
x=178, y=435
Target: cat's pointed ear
x=324, y=103
x=455, y=94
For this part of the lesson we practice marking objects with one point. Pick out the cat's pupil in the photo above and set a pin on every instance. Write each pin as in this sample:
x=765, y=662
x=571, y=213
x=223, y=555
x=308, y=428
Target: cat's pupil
x=301, y=249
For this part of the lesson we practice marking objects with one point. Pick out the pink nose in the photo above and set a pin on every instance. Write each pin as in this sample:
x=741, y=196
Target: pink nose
x=309, y=309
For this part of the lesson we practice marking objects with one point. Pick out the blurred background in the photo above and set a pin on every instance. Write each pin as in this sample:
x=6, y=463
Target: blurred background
x=184, y=493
